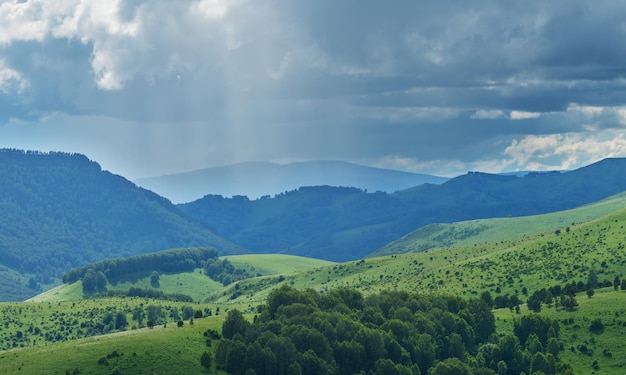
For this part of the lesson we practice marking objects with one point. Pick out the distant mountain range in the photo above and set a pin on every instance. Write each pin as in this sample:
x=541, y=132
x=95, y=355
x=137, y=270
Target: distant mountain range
x=342, y=224
x=59, y=211
x=257, y=179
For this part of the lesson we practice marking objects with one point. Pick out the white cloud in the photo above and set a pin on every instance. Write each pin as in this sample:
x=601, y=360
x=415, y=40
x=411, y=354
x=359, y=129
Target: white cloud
x=11, y=81
x=523, y=115
x=487, y=114
x=564, y=151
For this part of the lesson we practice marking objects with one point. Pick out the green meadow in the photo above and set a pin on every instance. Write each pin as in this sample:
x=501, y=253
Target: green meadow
x=583, y=347
x=159, y=350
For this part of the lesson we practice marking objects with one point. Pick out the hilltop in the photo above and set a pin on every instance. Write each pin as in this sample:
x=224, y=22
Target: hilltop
x=62, y=210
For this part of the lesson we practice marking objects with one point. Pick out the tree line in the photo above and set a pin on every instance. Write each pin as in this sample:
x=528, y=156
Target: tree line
x=342, y=332
x=173, y=260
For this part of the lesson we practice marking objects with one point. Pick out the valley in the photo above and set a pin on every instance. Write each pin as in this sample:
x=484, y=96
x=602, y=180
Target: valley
x=148, y=311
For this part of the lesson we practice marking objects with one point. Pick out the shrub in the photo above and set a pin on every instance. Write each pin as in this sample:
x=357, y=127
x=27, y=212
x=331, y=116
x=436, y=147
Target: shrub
x=596, y=326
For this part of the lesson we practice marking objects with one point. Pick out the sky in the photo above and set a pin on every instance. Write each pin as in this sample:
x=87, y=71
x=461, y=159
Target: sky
x=152, y=87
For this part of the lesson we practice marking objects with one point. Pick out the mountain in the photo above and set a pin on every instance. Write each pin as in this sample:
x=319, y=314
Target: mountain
x=59, y=210
x=257, y=179
x=341, y=224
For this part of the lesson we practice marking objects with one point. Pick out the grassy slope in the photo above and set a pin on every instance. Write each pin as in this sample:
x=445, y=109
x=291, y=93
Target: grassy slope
x=274, y=264
x=143, y=351
x=194, y=284
x=606, y=304
x=499, y=229
x=530, y=261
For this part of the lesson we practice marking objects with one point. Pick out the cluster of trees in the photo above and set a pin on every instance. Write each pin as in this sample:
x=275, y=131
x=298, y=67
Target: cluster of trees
x=565, y=296
x=173, y=260
x=223, y=271
x=342, y=332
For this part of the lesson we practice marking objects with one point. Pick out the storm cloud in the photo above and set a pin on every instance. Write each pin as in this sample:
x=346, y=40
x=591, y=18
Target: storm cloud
x=149, y=87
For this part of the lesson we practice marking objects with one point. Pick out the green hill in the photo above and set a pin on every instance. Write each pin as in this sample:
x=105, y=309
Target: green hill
x=513, y=267
x=343, y=224
x=191, y=280
x=60, y=211
x=510, y=266
x=161, y=350
x=488, y=230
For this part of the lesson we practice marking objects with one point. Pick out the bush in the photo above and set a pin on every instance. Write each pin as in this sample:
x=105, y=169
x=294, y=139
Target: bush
x=205, y=360
x=596, y=326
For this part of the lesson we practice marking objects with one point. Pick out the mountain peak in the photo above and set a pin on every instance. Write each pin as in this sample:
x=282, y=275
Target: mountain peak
x=257, y=179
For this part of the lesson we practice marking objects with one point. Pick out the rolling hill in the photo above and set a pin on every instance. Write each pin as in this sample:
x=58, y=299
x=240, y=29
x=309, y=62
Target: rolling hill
x=58, y=211
x=506, y=266
x=257, y=179
x=341, y=224
x=489, y=230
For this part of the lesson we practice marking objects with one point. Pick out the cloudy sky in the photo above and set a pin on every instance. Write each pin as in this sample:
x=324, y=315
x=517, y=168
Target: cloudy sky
x=150, y=87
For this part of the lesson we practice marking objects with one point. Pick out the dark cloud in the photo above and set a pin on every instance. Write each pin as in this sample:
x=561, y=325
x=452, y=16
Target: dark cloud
x=433, y=82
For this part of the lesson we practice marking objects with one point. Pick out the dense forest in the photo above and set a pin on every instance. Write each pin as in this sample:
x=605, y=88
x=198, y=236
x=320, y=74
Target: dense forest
x=341, y=224
x=62, y=210
x=342, y=332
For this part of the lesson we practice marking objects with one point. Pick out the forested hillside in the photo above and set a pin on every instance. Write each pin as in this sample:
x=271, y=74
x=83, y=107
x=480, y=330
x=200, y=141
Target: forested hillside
x=303, y=332
x=342, y=224
x=59, y=211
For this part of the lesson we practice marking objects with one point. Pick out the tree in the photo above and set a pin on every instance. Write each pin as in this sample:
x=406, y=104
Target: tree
x=569, y=302
x=486, y=297
x=234, y=323
x=138, y=315
x=101, y=281
x=187, y=312
x=154, y=279
x=592, y=279
x=205, y=360
x=155, y=313
x=90, y=281
x=450, y=366
x=120, y=320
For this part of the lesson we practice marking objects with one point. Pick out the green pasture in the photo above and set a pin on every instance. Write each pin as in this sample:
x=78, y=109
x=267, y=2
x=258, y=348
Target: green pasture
x=581, y=346
x=160, y=350
x=275, y=264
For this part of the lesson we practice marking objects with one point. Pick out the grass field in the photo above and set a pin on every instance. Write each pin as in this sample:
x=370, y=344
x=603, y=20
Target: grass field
x=170, y=350
x=607, y=347
x=275, y=264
